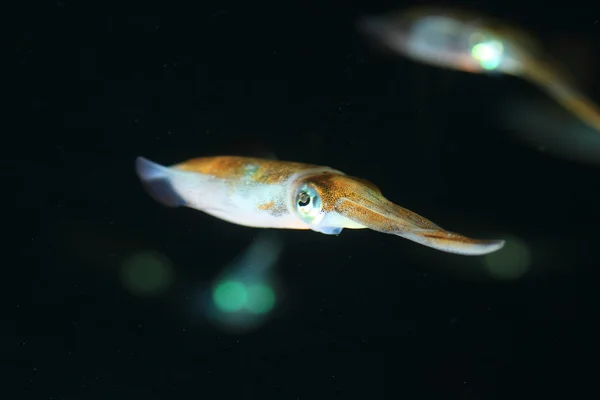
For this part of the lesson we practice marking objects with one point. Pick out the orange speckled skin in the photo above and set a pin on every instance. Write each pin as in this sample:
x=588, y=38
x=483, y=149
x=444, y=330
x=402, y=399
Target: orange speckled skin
x=257, y=169
x=267, y=206
x=362, y=202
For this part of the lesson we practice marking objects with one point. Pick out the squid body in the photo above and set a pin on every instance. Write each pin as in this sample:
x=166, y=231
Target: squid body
x=289, y=195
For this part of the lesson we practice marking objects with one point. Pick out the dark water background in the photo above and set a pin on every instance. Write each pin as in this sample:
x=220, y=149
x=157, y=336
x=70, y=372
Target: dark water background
x=360, y=315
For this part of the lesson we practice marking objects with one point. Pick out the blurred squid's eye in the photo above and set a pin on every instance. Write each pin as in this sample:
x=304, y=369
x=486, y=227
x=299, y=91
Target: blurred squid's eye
x=488, y=53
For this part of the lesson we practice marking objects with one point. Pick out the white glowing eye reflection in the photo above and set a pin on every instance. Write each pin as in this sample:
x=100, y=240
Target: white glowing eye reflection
x=488, y=53
x=308, y=204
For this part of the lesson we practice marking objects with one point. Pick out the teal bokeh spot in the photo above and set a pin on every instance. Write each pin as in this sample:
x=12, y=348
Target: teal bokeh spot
x=147, y=273
x=261, y=298
x=230, y=296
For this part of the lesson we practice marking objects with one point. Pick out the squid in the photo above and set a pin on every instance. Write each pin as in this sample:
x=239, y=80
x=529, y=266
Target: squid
x=465, y=41
x=265, y=193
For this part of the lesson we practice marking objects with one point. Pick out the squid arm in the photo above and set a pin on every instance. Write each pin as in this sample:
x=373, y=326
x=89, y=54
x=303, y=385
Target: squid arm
x=288, y=195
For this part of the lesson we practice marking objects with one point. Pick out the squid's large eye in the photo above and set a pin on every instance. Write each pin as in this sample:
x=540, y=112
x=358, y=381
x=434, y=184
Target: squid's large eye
x=308, y=204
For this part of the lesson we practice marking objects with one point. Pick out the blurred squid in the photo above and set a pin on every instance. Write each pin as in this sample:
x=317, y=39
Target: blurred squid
x=473, y=43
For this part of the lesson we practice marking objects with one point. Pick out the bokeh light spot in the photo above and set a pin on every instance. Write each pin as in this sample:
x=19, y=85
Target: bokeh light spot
x=261, y=298
x=511, y=262
x=230, y=296
x=147, y=273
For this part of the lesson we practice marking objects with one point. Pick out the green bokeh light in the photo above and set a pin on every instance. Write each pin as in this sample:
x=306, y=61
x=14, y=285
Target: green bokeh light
x=233, y=296
x=147, y=273
x=512, y=262
x=230, y=296
x=261, y=298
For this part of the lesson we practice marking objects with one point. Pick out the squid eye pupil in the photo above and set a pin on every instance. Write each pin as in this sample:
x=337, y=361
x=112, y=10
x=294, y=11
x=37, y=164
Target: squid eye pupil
x=303, y=199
